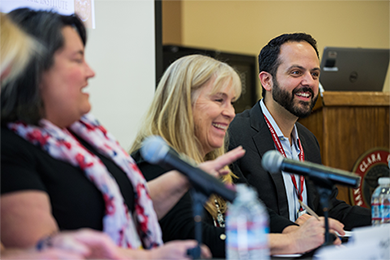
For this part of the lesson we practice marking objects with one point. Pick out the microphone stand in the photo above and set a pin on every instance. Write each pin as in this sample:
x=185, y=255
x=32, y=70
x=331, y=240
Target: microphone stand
x=324, y=200
x=324, y=188
x=198, y=200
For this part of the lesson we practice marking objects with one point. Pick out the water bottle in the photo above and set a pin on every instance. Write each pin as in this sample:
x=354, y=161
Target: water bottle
x=380, y=202
x=247, y=226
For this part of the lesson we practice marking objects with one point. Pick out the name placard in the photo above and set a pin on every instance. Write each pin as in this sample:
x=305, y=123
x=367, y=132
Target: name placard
x=371, y=242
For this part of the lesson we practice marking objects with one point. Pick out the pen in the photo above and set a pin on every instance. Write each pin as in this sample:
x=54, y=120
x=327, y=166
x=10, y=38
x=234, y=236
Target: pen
x=309, y=210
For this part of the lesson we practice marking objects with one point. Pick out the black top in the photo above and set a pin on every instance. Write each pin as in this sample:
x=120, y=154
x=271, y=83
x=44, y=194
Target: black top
x=75, y=201
x=250, y=130
x=179, y=223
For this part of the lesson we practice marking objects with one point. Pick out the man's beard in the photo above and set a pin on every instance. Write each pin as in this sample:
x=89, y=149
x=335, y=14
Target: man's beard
x=286, y=100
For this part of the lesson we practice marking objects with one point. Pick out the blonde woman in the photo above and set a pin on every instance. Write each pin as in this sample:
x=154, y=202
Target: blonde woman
x=16, y=48
x=192, y=109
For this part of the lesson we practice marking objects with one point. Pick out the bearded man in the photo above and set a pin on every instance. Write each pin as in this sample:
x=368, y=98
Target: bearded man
x=289, y=74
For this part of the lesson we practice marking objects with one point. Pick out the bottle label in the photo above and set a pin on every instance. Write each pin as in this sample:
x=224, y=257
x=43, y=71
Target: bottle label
x=386, y=211
x=244, y=235
x=375, y=212
x=380, y=212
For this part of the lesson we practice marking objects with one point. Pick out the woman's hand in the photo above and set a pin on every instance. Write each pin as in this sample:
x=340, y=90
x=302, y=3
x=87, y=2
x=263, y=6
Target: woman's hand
x=217, y=168
x=167, y=189
x=49, y=254
x=178, y=250
x=86, y=242
x=172, y=250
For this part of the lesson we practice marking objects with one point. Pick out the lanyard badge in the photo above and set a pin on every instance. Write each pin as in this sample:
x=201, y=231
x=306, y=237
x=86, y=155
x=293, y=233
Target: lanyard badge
x=298, y=191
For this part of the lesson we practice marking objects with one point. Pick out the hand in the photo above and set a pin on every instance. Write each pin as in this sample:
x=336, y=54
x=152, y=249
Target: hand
x=290, y=229
x=216, y=167
x=172, y=250
x=302, y=219
x=48, y=254
x=167, y=189
x=335, y=225
x=89, y=243
x=310, y=234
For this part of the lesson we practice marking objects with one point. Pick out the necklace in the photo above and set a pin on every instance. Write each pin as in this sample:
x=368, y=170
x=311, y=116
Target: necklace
x=220, y=219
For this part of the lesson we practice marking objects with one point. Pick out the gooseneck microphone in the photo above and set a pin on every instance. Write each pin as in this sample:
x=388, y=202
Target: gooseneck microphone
x=156, y=151
x=274, y=162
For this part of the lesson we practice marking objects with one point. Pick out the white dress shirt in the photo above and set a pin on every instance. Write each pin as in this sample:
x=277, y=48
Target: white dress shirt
x=292, y=152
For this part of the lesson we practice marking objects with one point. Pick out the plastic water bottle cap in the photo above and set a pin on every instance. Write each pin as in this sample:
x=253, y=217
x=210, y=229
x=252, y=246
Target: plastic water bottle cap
x=245, y=192
x=384, y=181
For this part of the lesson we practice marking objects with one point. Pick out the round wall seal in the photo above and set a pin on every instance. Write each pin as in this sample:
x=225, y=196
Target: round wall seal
x=370, y=166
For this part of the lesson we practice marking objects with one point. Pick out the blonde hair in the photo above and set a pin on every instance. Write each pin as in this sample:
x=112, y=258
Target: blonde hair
x=16, y=49
x=170, y=114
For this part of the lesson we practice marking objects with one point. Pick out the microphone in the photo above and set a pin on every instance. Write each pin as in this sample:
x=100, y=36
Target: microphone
x=274, y=162
x=156, y=151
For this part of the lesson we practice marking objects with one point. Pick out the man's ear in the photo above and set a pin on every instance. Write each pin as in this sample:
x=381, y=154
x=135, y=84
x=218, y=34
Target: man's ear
x=266, y=80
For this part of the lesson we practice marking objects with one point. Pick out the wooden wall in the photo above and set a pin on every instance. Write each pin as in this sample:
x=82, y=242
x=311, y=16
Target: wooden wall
x=347, y=124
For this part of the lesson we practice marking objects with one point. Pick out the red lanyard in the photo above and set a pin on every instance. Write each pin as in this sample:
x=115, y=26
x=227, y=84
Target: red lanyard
x=281, y=150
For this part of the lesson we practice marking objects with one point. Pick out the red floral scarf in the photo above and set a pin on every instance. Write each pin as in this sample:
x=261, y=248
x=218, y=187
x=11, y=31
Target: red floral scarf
x=117, y=222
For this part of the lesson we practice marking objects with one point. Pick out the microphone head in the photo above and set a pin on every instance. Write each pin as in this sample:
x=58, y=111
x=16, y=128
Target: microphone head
x=272, y=161
x=154, y=149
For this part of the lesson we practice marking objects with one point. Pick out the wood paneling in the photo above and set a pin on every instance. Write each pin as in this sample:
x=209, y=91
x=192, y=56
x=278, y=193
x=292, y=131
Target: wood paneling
x=347, y=124
x=337, y=98
x=172, y=22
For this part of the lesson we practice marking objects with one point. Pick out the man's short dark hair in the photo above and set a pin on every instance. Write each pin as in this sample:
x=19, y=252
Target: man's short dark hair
x=268, y=57
x=21, y=98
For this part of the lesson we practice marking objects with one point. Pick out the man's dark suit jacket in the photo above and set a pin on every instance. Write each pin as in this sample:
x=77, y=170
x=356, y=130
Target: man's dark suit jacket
x=250, y=130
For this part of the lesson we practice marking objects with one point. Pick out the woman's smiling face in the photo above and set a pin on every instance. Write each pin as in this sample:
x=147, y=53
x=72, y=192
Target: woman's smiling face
x=213, y=112
x=62, y=85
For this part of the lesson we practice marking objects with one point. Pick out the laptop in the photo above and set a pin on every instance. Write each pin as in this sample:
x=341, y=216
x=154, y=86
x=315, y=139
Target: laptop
x=353, y=69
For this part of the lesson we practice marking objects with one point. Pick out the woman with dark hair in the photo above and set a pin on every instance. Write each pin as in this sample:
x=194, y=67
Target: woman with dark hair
x=16, y=50
x=61, y=170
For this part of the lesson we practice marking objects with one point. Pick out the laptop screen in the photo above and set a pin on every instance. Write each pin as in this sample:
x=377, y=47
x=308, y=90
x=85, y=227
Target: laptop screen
x=353, y=69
